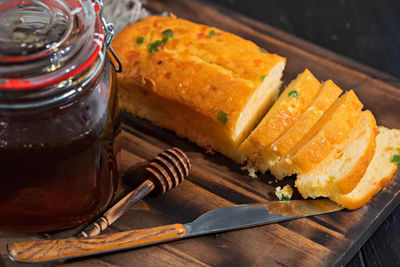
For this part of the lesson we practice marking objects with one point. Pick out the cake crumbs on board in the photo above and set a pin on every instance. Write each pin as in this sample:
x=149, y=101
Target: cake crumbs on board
x=284, y=193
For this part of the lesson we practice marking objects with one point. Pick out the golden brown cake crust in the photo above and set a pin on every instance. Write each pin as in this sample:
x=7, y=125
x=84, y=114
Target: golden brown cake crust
x=286, y=109
x=379, y=173
x=207, y=69
x=347, y=183
x=333, y=133
x=169, y=115
x=342, y=170
x=329, y=93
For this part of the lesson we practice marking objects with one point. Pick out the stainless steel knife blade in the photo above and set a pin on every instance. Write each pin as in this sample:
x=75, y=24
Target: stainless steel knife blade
x=249, y=215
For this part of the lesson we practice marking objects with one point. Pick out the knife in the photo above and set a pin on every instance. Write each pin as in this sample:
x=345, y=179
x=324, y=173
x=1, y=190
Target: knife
x=214, y=221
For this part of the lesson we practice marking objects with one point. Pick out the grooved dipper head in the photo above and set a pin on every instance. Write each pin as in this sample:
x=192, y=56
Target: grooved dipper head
x=168, y=169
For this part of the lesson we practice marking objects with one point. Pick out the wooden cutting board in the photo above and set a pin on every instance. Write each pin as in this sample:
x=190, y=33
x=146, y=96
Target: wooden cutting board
x=216, y=181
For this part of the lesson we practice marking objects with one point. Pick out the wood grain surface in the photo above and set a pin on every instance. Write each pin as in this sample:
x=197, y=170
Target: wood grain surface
x=216, y=181
x=46, y=250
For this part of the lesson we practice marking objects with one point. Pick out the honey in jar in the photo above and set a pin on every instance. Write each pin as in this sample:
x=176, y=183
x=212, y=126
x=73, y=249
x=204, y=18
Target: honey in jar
x=59, y=118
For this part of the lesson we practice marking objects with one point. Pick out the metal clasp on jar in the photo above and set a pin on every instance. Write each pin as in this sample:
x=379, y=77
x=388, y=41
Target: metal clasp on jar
x=108, y=34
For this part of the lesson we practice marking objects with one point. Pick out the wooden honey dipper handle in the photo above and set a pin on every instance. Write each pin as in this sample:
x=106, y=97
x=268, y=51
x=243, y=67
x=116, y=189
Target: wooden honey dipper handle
x=164, y=172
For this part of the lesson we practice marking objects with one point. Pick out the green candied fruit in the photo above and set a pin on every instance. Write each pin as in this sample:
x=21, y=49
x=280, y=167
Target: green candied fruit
x=222, y=116
x=153, y=47
x=294, y=94
x=168, y=33
x=139, y=40
x=396, y=159
x=211, y=33
x=164, y=40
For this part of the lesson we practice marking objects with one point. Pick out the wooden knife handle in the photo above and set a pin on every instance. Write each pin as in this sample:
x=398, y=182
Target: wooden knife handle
x=47, y=250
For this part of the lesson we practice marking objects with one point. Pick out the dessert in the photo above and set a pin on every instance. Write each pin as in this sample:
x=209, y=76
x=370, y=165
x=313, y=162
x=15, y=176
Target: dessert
x=341, y=171
x=204, y=84
x=332, y=129
x=298, y=95
x=328, y=94
x=379, y=172
x=215, y=89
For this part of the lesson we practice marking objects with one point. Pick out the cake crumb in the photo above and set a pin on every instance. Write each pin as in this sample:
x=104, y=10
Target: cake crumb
x=252, y=172
x=284, y=193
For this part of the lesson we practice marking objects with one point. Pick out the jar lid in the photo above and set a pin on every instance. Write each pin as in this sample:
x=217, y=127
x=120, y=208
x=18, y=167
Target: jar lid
x=44, y=42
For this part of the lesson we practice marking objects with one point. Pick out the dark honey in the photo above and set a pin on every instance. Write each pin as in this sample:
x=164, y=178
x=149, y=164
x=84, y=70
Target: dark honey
x=59, y=120
x=58, y=185
x=58, y=168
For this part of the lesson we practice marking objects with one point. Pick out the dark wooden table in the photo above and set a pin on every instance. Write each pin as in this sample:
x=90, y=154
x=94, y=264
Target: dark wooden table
x=367, y=31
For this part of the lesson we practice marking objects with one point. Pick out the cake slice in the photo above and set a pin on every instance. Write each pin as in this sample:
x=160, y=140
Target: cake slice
x=297, y=97
x=327, y=95
x=206, y=85
x=379, y=172
x=343, y=168
x=330, y=130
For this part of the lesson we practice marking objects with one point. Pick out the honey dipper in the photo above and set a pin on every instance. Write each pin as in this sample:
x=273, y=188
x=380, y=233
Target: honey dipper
x=164, y=172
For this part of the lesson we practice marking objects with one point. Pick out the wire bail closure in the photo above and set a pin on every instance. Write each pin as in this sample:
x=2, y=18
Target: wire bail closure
x=108, y=34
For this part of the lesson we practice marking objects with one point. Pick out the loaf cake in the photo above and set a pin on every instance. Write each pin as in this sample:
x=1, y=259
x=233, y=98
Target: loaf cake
x=206, y=85
x=297, y=97
x=216, y=89
x=330, y=130
x=341, y=171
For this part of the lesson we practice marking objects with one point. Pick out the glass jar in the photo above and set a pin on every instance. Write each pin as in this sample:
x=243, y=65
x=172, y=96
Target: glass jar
x=59, y=118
